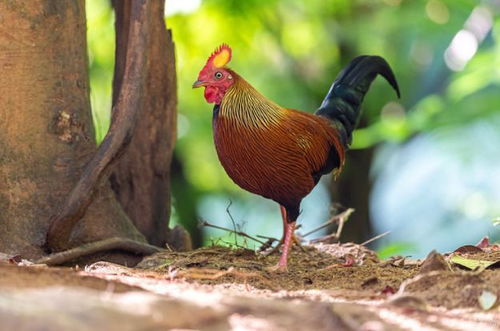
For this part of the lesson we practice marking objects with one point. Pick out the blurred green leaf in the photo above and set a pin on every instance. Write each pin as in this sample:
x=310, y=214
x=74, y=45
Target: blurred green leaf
x=471, y=263
x=394, y=248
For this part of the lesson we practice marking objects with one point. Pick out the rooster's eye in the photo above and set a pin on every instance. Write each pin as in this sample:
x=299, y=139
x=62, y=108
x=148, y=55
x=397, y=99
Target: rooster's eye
x=218, y=75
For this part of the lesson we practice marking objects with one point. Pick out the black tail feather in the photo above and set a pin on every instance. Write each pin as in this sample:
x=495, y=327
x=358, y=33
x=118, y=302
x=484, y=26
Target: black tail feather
x=343, y=101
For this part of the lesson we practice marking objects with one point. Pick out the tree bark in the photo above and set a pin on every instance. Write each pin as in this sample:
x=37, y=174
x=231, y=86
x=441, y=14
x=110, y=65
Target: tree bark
x=352, y=190
x=46, y=133
x=141, y=179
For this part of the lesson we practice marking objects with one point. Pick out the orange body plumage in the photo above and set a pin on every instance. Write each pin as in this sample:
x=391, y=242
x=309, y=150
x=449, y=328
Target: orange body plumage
x=269, y=150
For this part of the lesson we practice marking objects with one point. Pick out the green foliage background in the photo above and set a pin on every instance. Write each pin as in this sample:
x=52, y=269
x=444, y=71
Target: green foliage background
x=291, y=50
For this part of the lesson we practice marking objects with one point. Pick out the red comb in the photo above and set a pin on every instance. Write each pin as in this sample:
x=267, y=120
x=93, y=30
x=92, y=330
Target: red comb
x=220, y=57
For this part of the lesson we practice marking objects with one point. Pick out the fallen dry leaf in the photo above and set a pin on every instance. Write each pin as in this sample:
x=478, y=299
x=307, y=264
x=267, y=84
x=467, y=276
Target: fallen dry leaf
x=468, y=249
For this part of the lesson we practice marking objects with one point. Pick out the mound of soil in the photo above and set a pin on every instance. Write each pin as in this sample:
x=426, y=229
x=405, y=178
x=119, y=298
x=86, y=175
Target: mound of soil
x=321, y=267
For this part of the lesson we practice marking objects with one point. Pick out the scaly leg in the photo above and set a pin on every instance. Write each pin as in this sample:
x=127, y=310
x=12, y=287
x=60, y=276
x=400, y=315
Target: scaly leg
x=283, y=218
x=296, y=241
x=287, y=243
x=282, y=264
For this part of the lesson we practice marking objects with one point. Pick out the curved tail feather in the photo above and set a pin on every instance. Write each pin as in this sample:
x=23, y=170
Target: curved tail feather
x=342, y=104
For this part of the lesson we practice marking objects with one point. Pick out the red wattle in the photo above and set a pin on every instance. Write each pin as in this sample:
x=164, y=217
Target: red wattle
x=213, y=94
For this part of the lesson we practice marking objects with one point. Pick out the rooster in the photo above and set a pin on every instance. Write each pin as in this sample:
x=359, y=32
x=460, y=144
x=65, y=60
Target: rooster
x=281, y=153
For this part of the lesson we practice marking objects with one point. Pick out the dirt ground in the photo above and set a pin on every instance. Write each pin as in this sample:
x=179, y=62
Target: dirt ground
x=327, y=287
x=347, y=270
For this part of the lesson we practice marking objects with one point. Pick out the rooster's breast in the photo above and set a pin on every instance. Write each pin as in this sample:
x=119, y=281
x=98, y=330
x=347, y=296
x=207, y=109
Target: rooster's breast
x=263, y=160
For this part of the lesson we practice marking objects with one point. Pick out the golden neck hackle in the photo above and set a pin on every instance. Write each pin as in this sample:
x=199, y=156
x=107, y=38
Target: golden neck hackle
x=245, y=105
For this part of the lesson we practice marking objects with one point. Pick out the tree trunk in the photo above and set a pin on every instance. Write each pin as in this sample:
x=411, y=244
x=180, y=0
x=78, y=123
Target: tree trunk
x=141, y=179
x=46, y=133
x=352, y=190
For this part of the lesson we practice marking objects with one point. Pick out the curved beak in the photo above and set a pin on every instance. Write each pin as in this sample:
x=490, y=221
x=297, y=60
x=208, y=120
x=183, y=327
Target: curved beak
x=198, y=83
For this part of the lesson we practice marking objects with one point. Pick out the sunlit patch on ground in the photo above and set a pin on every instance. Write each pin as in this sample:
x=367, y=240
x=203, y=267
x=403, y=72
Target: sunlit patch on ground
x=341, y=286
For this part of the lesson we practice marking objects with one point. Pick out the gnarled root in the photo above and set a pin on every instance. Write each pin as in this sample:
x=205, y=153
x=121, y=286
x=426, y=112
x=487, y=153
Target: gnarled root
x=105, y=245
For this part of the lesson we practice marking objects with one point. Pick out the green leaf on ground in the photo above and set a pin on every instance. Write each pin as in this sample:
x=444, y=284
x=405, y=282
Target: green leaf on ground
x=471, y=263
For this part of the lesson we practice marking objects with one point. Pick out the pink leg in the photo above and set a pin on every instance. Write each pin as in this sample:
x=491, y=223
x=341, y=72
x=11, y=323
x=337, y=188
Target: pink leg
x=282, y=240
x=285, y=227
x=283, y=217
x=286, y=242
x=282, y=264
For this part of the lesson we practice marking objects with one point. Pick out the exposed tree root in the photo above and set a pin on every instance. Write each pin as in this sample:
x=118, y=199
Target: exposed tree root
x=141, y=176
x=122, y=125
x=109, y=244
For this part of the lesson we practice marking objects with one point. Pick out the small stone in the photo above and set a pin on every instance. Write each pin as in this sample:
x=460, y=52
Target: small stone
x=434, y=262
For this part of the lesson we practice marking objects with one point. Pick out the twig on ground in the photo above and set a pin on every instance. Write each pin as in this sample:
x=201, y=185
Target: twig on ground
x=233, y=222
x=268, y=244
x=270, y=240
x=233, y=244
x=375, y=238
x=239, y=233
x=339, y=218
x=266, y=237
